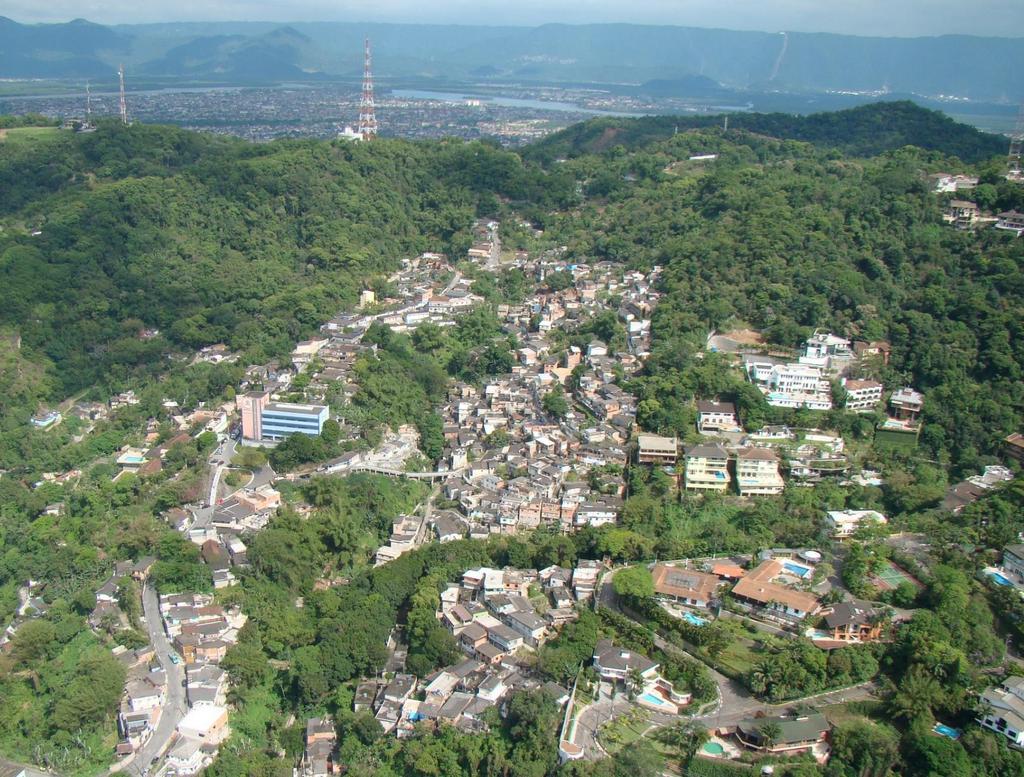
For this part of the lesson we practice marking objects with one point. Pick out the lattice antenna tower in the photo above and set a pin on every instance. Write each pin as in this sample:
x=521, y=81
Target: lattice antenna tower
x=88, y=101
x=1014, y=171
x=124, y=103
x=367, y=116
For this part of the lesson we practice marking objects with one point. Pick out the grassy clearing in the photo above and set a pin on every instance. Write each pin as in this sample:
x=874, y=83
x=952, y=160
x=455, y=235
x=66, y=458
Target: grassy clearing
x=624, y=731
x=27, y=134
x=852, y=711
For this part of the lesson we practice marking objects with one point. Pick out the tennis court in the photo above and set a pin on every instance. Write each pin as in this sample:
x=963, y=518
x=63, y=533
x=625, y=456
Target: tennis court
x=890, y=576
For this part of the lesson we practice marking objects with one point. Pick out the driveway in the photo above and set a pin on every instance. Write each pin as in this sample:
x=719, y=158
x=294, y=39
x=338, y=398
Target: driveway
x=175, y=706
x=592, y=718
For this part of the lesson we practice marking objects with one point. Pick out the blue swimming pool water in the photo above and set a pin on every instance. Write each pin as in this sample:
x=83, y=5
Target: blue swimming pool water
x=999, y=579
x=650, y=698
x=696, y=620
x=796, y=569
x=946, y=731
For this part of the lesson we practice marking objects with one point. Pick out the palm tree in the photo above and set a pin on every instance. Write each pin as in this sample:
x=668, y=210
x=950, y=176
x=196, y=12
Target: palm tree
x=635, y=682
x=686, y=738
x=769, y=733
x=915, y=695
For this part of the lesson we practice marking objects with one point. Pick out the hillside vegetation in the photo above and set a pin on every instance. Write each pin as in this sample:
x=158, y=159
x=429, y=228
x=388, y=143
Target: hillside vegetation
x=212, y=240
x=865, y=131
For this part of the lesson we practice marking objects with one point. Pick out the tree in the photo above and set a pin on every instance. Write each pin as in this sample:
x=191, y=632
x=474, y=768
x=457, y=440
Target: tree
x=634, y=583
x=555, y=404
x=431, y=431
x=869, y=749
x=638, y=759
x=769, y=733
x=685, y=738
x=33, y=641
x=331, y=433
x=915, y=696
x=246, y=665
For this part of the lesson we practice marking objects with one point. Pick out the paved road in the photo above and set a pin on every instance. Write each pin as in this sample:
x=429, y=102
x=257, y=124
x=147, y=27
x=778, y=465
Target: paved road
x=225, y=452
x=494, y=260
x=175, y=706
x=592, y=718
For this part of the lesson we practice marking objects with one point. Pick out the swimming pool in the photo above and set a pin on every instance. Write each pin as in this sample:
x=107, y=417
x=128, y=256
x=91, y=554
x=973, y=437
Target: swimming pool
x=713, y=748
x=696, y=620
x=651, y=698
x=796, y=569
x=999, y=579
x=946, y=731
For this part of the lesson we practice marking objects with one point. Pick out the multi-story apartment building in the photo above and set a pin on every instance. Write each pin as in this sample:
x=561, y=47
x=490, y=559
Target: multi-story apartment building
x=652, y=449
x=717, y=417
x=862, y=395
x=707, y=468
x=757, y=472
x=266, y=420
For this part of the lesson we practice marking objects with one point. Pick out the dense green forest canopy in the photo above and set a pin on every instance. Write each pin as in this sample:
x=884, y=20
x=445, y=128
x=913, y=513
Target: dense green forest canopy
x=864, y=131
x=213, y=240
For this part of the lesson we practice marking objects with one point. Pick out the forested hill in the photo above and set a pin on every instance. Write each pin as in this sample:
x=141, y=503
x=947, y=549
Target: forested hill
x=864, y=131
x=107, y=234
x=216, y=240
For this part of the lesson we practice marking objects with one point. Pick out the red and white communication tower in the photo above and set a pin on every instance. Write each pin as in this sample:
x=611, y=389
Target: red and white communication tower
x=1015, y=172
x=367, y=117
x=124, y=104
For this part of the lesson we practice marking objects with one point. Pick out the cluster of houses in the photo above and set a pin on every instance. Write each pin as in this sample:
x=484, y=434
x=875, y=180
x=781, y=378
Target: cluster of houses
x=201, y=633
x=220, y=538
x=510, y=461
x=494, y=621
x=778, y=588
x=965, y=214
x=806, y=383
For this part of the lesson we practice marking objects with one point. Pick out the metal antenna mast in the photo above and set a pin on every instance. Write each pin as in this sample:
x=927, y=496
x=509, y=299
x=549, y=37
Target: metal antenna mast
x=124, y=105
x=88, y=101
x=367, y=117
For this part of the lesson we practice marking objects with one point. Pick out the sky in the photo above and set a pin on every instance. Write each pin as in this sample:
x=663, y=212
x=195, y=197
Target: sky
x=856, y=17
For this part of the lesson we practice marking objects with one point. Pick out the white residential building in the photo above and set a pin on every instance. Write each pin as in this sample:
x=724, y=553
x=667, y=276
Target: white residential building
x=757, y=472
x=1004, y=711
x=792, y=385
x=862, y=395
x=716, y=417
x=844, y=523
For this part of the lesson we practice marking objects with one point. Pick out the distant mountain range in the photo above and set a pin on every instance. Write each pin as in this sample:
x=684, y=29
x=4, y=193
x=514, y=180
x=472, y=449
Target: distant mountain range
x=667, y=60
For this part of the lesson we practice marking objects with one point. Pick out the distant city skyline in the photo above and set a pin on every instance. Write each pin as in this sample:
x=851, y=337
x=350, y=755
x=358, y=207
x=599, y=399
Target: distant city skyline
x=903, y=18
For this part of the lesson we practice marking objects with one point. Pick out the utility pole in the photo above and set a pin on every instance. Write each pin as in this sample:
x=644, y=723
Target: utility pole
x=367, y=115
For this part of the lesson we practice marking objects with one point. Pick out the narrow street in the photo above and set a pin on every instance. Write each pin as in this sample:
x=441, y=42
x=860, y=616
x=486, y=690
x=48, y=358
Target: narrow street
x=175, y=706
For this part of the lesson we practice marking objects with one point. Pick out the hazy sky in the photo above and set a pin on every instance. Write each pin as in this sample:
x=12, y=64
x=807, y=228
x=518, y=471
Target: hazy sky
x=858, y=17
